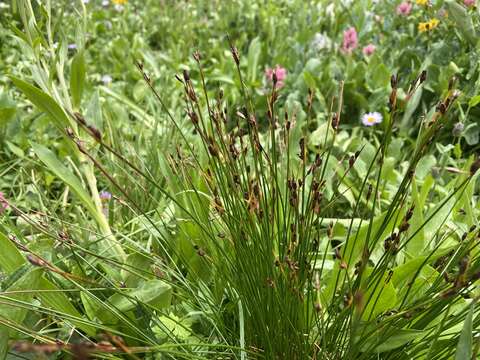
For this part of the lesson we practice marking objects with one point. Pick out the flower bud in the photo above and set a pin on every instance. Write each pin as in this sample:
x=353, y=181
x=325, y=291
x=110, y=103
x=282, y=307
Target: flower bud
x=458, y=129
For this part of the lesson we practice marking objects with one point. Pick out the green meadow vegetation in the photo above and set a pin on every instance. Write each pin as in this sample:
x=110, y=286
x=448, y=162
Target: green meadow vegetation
x=239, y=179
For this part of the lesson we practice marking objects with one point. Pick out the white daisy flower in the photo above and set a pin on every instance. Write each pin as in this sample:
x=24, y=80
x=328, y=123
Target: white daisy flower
x=107, y=80
x=321, y=41
x=372, y=118
x=330, y=10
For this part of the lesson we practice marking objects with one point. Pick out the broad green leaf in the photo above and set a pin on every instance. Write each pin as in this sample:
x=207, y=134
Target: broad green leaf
x=54, y=165
x=322, y=135
x=313, y=66
x=10, y=257
x=137, y=111
x=16, y=314
x=380, y=77
x=424, y=166
x=309, y=80
x=30, y=280
x=364, y=160
x=222, y=79
x=172, y=325
x=69, y=178
x=43, y=101
x=156, y=293
x=381, y=226
x=464, y=347
x=140, y=90
x=474, y=101
x=419, y=284
x=135, y=269
x=441, y=213
x=199, y=269
x=411, y=107
x=7, y=109
x=58, y=301
x=399, y=338
x=466, y=199
x=380, y=297
x=90, y=304
x=354, y=246
x=15, y=149
x=402, y=273
x=3, y=342
x=463, y=20
x=416, y=244
x=471, y=134
x=94, y=111
x=428, y=183
x=77, y=78
x=253, y=55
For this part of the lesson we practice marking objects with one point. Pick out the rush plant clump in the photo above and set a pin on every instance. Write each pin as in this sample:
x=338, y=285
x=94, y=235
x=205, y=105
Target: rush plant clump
x=230, y=229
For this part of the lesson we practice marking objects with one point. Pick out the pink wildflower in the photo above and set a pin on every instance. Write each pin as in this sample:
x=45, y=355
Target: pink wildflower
x=280, y=73
x=469, y=2
x=3, y=202
x=105, y=195
x=404, y=8
x=350, y=40
x=369, y=49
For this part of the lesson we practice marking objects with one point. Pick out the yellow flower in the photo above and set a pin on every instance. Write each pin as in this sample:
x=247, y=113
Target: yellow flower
x=422, y=27
x=119, y=2
x=434, y=22
x=429, y=25
x=422, y=2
